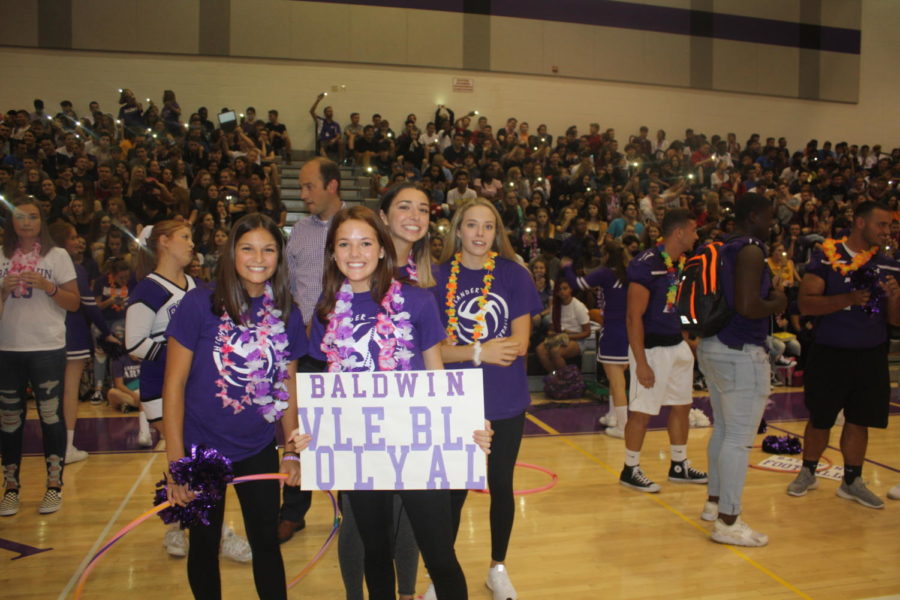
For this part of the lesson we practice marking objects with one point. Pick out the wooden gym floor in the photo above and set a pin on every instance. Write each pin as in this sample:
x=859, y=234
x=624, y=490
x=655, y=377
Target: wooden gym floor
x=585, y=538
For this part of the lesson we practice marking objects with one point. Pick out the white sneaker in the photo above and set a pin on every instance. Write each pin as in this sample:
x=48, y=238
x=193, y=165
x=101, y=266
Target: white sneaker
x=145, y=440
x=499, y=583
x=74, y=455
x=894, y=493
x=176, y=542
x=235, y=547
x=615, y=432
x=710, y=511
x=738, y=534
x=430, y=594
x=608, y=420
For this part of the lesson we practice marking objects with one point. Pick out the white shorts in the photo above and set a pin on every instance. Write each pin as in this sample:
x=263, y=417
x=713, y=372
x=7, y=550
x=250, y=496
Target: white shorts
x=673, y=370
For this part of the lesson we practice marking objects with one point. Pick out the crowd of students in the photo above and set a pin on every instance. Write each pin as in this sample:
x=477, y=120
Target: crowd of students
x=144, y=237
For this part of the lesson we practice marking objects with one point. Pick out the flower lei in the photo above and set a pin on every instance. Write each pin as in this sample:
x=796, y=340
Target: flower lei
x=23, y=262
x=271, y=398
x=829, y=248
x=412, y=269
x=673, y=274
x=395, y=345
x=452, y=285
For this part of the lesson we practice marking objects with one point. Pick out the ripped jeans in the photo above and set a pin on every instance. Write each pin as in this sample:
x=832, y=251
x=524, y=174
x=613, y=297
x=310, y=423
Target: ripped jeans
x=44, y=371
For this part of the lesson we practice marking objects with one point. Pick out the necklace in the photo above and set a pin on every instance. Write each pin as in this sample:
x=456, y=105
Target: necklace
x=412, y=269
x=452, y=285
x=392, y=326
x=269, y=332
x=24, y=262
x=829, y=248
x=673, y=274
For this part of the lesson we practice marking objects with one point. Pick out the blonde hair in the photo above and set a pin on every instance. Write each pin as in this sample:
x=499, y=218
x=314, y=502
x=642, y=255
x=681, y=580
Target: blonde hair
x=501, y=245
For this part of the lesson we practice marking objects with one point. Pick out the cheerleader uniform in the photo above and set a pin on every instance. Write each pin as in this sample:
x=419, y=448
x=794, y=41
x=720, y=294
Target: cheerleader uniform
x=611, y=298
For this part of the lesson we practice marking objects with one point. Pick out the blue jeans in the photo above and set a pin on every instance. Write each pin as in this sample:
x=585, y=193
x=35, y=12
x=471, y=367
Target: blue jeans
x=739, y=385
x=45, y=372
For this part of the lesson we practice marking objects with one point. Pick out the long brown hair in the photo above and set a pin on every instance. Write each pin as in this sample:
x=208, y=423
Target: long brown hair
x=332, y=278
x=501, y=245
x=616, y=258
x=148, y=255
x=229, y=295
x=421, y=250
x=11, y=240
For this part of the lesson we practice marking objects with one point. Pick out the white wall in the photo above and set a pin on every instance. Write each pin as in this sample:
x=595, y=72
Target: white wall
x=395, y=91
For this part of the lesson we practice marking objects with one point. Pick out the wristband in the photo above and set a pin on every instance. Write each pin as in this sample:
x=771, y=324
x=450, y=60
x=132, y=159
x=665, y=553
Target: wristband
x=55, y=289
x=476, y=354
x=291, y=457
x=290, y=453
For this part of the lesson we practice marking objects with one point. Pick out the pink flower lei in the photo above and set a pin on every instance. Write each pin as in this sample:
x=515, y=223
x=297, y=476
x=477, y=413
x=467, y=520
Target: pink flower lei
x=393, y=329
x=412, y=269
x=270, y=396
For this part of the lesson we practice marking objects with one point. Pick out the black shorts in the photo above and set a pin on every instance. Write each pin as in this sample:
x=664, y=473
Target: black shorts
x=857, y=381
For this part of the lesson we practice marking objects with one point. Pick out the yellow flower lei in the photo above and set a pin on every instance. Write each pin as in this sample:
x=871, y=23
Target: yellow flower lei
x=452, y=285
x=673, y=274
x=829, y=248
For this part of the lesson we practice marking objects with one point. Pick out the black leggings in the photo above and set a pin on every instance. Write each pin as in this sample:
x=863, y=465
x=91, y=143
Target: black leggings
x=501, y=464
x=259, y=505
x=429, y=513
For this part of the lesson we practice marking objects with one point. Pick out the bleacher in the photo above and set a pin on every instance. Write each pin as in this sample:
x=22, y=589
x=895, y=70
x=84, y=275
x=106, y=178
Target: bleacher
x=354, y=190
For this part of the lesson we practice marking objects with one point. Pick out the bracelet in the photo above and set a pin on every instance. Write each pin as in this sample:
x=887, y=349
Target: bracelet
x=476, y=354
x=291, y=457
x=290, y=453
x=55, y=289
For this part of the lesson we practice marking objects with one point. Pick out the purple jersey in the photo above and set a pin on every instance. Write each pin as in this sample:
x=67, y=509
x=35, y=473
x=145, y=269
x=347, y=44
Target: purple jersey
x=513, y=294
x=611, y=292
x=851, y=327
x=423, y=314
x=740, y=330
x=649, y=270
x=78, y=323
x=206, y=421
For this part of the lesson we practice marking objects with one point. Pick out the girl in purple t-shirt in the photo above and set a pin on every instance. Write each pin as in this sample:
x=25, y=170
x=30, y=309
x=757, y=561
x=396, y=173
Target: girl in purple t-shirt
x=487, y=300
x=230, y=376
x=366, y=320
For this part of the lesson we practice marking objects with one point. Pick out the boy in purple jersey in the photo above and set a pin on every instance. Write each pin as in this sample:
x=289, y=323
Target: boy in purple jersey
x=661, y=361
x=736, y=366
x=853, y=291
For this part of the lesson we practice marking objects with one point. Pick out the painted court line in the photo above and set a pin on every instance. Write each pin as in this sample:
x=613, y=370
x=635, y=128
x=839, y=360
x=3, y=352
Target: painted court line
x=838, y=450
x=667, y=506
x=109, y=525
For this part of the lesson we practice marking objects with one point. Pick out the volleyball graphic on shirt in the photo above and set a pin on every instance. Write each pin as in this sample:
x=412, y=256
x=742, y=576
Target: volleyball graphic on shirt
x=496, y=315
x=242, y=345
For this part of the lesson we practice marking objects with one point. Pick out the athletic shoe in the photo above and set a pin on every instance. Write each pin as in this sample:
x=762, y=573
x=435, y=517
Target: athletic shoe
x=894, y=493
x=74, y=455
x=235, y=547
x=430, y=594
x=738, y=534
x=858, y=492
x=804, y=482
x=287, y=528
x=608, y=420
x=710, y=511
x=615, y=432
x=145, y=440
x=176, y=542
x=97, y=398
x=683, y=472
x=10, y=504
x=499, y=583
x=51, y=503
x=634, y=478
x=784, y=361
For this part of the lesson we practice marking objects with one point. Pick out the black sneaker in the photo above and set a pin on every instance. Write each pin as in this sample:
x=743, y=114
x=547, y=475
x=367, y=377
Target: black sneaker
x=683, y=472
x=634, y=478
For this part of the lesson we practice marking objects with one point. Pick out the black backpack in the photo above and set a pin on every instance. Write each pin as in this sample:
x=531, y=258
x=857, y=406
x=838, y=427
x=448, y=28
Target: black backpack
x=700, y=300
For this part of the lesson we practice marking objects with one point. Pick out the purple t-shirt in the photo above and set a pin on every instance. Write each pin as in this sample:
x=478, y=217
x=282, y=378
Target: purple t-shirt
x=649, y=270
x=513, y=294
x=206, y=421
x=851, y=327
x=740, y=330
x=423, y=314
x=611, y=292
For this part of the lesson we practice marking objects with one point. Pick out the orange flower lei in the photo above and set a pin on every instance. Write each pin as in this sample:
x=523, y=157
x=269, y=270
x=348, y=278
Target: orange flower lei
x=829, y=248
x=452, y=285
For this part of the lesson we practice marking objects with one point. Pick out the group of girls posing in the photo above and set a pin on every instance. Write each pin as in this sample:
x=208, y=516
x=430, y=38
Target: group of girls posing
x=246, y=333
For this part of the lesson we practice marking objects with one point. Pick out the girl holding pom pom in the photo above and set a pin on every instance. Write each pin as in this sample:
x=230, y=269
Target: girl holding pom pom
x=229, y=380
x=367, y=320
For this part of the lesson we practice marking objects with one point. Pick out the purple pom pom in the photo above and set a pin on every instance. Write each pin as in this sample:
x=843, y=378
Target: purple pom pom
x=786, y=444
x=206, y=472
